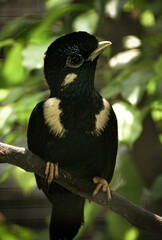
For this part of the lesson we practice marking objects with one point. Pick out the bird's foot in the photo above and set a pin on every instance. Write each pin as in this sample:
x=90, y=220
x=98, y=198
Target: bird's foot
x=51, y=171
x=101, y=183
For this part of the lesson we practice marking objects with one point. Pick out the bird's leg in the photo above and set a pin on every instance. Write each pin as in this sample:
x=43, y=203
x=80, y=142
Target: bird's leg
x=51, y=171
x=101, y=183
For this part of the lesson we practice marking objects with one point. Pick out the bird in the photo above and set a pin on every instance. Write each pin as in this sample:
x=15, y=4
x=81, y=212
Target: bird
x=74, y=128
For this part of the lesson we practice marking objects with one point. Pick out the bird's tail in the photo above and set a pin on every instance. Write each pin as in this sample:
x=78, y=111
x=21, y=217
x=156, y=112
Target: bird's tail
x=67, y=215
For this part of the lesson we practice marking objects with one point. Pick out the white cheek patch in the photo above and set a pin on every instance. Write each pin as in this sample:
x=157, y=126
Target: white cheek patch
x=69, y=78
x=102, y=118
x=52, y=116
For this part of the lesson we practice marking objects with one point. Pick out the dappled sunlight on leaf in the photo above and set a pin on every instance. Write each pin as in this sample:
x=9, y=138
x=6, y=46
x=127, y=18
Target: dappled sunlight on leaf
x=8, y=116
x=157, y=111
x=134, y=95
x=131, y=234
x=111, y=8
x=53, y=3
x=147, y=18
x=86, y=22
x=134, y=86
x=151, y=86
x=124, y=58
x=3, y=94
x=131, y=41
x=37, y=51
x=13, y=71
x=129, y=122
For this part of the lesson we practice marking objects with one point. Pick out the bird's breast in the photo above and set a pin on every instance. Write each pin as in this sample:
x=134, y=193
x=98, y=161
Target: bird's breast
x=63, y=117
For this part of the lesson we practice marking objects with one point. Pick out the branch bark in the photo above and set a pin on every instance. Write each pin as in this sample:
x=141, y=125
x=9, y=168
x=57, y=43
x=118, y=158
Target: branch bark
x=138, y=216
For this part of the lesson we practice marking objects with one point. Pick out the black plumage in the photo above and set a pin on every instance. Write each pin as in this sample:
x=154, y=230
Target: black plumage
x=75, y=127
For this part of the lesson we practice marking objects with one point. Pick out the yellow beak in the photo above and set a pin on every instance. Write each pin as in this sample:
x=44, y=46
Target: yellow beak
x=101, y=47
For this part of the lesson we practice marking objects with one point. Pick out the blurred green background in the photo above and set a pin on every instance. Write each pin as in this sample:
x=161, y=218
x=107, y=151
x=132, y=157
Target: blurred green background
x=129, y=74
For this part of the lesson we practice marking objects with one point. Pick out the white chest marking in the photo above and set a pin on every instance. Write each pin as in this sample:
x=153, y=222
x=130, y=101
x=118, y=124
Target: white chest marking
x=69, y=78
x=52, y=116
x=102, y=118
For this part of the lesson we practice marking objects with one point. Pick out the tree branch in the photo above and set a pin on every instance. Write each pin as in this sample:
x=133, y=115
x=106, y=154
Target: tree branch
x=138, y=216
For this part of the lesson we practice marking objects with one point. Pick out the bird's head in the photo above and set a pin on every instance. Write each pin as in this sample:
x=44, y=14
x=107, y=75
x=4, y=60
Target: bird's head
x=70, y=63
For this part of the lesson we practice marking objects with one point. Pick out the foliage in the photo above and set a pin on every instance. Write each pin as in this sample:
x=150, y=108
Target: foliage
x=125, y=230
x=156, y=193
x=15, y=232
x=131, y=78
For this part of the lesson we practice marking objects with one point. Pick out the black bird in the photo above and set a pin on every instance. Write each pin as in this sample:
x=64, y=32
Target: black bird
x=74, y=128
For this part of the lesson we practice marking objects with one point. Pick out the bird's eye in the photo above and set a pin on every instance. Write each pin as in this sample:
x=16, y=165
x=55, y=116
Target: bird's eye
x=74, y=61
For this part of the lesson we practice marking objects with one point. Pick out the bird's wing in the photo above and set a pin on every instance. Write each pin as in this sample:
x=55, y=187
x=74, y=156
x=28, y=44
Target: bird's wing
x=37, y=135
x=111, y=145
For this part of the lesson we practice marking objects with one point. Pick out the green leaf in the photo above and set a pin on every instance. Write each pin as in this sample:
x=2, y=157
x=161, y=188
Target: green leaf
x=132, y=234
x=151, y=86
x=16, y=232
x=3, y=94
x=158, y=66
x=16, y=136
x=19, y=27
x=25, y=180
x=134, y=86
x=147, y=18
x=33, y=55
x=7, y=115
x=43, y=32
x=13, y=71
x=5, y=175
x=129, y=122
x=119, y=228
x=113, y=87
x=156, y=188
x=6, y=42
x=112, y=90
x=157, y=111
x=34, y=98
x=54, y=3
x=7, y=233
x=13, y=95
x=131, y=182
x=86, y=22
